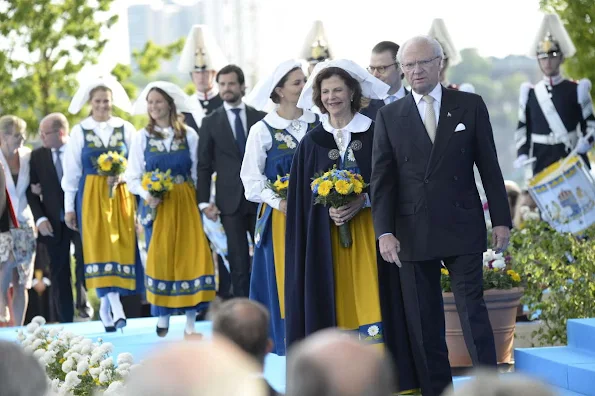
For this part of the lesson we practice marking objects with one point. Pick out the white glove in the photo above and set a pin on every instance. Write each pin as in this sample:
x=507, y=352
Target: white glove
x=583, y=146
x=520, y=161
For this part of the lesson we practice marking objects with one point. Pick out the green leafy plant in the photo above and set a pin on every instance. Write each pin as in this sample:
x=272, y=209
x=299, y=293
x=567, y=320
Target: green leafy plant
x=559, y=269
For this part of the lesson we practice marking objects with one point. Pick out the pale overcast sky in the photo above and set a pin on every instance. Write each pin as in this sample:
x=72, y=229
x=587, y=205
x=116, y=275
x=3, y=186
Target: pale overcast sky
x=496, y=28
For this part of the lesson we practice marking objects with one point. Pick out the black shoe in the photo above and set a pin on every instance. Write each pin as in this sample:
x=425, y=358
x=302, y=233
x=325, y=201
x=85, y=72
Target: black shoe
x=162, y=331
x=200, y=316
x=120, y=324
x=109, y=329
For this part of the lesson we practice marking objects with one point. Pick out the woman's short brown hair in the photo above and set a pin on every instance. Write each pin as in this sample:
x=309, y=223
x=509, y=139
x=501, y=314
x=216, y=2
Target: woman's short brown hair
x=352, y=84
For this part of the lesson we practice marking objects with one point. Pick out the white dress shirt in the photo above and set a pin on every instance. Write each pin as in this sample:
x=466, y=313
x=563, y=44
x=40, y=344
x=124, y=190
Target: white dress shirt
x=436, y=93
x=397, y=95
x=258, y=143
x=54, y=159
x=136, y=159
x=231, y=116
x=73, y=162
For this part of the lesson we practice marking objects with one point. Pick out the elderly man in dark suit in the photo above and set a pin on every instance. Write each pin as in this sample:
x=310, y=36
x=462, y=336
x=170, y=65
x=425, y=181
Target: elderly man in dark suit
x=48, y=210
x=221, y=149
x=427, y=211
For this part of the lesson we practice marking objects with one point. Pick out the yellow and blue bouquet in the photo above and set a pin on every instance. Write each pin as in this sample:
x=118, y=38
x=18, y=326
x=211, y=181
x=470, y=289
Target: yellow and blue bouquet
x=280, y=186
x=336, y=188
x=111, y=163
x=157, y=183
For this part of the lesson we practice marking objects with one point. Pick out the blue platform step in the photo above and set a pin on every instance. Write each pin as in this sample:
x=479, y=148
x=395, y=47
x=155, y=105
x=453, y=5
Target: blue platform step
x=570, y=367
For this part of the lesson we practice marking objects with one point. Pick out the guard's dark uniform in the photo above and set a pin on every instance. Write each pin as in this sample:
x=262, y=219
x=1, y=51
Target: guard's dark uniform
x=534, y=133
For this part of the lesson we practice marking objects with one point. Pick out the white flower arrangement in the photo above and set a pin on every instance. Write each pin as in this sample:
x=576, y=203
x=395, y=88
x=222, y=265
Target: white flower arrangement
x=496, y=259
x=75, y=365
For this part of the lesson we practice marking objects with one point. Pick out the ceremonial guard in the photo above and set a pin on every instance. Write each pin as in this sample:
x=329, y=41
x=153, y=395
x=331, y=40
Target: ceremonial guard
x=451, y=55
x=316, y=48
x=202, y=58
x=555, y=114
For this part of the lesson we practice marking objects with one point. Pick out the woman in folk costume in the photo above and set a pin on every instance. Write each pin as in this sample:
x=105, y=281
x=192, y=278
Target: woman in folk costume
x=180, y=272
x=326, y=284
x=107, y=225
x=17, y=247
x=270, y=147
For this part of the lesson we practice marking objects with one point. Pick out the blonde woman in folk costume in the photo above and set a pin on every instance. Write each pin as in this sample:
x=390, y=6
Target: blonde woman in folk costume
x=180, y=273
x=270, y=147
x=17, y=248
x=107, y=225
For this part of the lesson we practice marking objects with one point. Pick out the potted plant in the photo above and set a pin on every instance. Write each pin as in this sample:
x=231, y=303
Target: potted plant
x=502, y=294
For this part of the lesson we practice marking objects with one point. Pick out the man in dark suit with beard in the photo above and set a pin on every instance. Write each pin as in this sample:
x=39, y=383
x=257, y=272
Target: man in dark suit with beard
x=427, y=210
x=221, y=149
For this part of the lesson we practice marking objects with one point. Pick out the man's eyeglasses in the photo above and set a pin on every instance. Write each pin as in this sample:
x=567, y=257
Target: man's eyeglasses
x=380, y=69
x=424, y=64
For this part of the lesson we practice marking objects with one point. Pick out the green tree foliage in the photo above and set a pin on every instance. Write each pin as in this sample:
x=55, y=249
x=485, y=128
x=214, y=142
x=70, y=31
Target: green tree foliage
x=578, y=17
x=149, y=61
x=46, y=43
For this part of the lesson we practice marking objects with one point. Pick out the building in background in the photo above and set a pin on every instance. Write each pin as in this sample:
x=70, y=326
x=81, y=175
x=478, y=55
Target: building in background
x=233, y=23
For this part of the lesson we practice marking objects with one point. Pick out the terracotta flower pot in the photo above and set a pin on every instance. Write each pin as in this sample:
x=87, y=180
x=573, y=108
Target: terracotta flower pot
x=502, y=308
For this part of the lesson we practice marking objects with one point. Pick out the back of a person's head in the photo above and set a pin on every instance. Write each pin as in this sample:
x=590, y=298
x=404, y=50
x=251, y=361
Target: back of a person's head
x=331, y=363
x=245, y=323
x=20, y=373
x=202, y=368
x=486, y=383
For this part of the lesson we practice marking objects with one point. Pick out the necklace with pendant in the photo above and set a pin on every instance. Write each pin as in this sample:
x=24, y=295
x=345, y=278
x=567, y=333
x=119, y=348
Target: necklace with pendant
x=340, y=141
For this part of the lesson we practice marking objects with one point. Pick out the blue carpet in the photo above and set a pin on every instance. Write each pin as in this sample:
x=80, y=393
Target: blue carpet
x=139, y=339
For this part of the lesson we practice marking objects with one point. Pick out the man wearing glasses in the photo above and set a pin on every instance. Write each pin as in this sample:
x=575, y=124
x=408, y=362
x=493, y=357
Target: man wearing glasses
x=556, y=113
x=427, y=213
x=384, y=66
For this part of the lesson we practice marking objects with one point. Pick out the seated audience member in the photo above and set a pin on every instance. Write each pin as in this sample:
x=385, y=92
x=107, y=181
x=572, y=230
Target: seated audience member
x=20, y=373
x=246, y=324
x=203, y=368
x=334, y=363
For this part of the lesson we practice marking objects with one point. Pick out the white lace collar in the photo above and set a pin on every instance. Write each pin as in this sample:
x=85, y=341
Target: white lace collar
x=359, y=123
x=90, y=124
x=278, y=122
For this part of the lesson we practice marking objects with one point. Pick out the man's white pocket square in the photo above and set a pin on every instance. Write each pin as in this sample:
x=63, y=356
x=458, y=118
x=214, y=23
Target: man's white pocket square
x=460, y=127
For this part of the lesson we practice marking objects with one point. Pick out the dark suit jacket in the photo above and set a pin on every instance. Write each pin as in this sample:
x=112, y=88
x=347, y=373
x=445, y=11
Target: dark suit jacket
x=375, y=104
x=218, y=152
x=372, y=110
x=43, y=170
x=424, y=193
